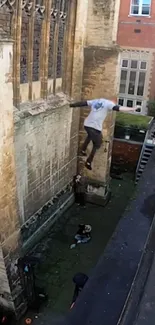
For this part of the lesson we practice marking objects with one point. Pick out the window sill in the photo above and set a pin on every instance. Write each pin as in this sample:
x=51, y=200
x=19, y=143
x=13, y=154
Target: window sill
x=139, y=16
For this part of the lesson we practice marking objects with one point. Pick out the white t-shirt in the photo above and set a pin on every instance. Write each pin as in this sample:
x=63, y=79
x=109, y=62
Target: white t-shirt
x=99, y=111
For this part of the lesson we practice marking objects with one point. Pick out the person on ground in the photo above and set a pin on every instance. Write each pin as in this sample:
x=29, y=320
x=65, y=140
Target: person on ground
x=80, y=187
x=83, y=235
x=94, y=122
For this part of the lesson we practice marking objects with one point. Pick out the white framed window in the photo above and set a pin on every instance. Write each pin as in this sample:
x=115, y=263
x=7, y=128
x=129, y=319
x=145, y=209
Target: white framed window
x=133, y=76
x=132, y=79
x=140, y=7
x=129, y=102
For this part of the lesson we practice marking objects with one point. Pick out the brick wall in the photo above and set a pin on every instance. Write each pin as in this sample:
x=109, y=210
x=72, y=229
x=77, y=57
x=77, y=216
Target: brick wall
x=143, y=40
x=152, y=80
x=127, y=25
x=46, y=155
x=127, y=153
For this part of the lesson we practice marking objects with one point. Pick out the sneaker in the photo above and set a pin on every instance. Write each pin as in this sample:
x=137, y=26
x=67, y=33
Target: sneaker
x=83, y=153
x=88, y=165
x=72, y=246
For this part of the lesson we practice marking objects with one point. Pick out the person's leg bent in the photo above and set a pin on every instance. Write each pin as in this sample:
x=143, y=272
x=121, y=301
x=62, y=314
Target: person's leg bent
x=92, y=154
x=78, y=238
x=85, y=240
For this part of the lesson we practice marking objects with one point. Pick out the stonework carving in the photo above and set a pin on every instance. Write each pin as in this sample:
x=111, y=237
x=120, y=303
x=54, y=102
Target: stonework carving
x=9, y=3
x=27, y=7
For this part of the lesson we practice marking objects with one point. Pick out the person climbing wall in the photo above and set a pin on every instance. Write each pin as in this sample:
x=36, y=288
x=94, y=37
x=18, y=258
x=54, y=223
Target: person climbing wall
x=94, y=122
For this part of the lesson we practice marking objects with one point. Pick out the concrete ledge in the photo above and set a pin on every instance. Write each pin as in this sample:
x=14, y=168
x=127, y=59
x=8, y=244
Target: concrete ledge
x=98, y=193
x=98, y=199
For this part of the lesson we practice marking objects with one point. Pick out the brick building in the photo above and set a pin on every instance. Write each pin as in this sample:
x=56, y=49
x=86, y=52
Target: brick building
x=50, y=51
x=136, y=36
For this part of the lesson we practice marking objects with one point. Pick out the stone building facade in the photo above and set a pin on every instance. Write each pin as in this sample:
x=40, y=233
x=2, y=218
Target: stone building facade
x=50, y=52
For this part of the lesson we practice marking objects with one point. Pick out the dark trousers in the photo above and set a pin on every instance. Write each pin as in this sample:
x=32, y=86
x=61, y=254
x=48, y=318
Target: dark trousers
x=80, y=198
x=96, y=137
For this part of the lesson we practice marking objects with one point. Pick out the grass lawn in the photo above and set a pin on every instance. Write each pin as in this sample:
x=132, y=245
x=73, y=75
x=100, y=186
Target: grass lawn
x=132, y=120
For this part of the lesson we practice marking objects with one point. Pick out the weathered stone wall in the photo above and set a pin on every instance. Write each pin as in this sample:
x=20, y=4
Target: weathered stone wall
x=46, y=142
x=5, y=294
x=100, y=72
x=99, y=80
x=47, y=132
x=79, y=43
x=9, y=214
x=34, y=180
x=102, y=22
x=100, y=77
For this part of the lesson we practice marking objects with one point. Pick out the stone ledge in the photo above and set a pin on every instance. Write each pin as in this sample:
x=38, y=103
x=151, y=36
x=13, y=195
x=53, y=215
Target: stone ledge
x=98, y=192
x=98, y=199
x=40, y=106
x=113, y=48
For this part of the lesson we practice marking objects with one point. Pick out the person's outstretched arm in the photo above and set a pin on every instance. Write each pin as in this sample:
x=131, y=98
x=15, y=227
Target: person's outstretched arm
x=125, y=109
x=130, y=109
x=114, y=108
x=79, y=104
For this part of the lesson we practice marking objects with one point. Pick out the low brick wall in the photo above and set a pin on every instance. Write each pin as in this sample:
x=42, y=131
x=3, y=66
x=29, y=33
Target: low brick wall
x=126, y=153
